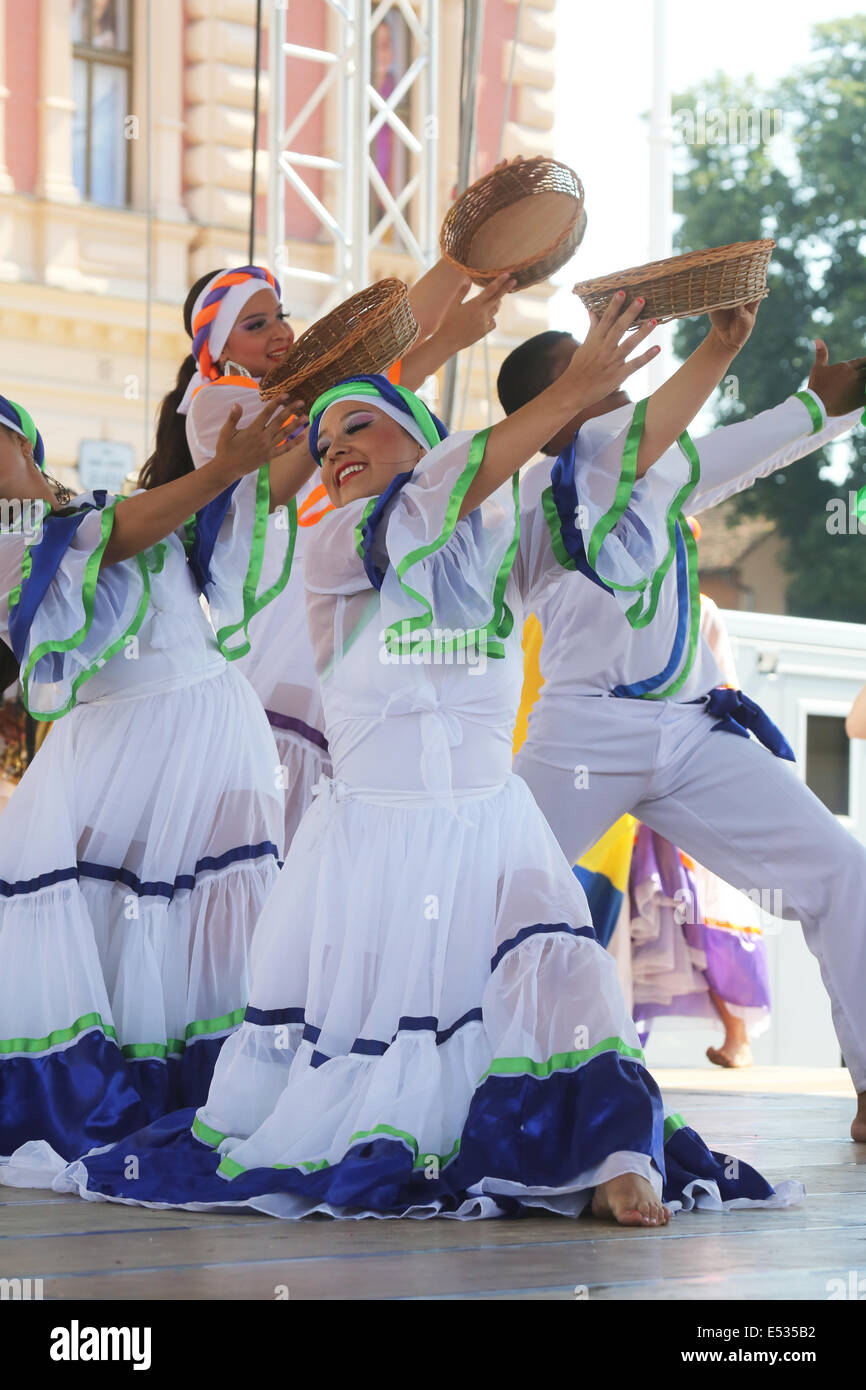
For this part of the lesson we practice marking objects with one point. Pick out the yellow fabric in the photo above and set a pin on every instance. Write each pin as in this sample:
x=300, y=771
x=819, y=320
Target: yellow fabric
x=611, y=855
x=532, y=681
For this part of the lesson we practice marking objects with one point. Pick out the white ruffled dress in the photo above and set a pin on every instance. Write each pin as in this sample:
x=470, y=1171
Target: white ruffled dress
x=138, y=849
x=279, y=665
x=432, y=1028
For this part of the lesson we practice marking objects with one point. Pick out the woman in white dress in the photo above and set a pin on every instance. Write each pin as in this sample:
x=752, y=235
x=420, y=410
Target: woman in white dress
x=240, y=331
x=139, y=846
x=433, y=1028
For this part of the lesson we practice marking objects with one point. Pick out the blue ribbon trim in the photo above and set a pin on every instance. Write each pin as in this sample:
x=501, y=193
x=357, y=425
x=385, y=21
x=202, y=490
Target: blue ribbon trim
x=639, y=688
x=208, y=521
x=58, y=533
x=368, y=528
x=737, y=714
x=526, y=932
x=564, y=488
x=538, y=1132
x=143, y=889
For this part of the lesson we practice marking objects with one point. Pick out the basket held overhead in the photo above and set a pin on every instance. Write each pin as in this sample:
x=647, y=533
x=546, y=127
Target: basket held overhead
x=695, y=283
x=365, y=334
x=527, y=218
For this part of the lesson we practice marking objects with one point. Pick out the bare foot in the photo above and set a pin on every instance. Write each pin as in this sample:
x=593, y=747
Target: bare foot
x=731, y=1054
x=858, y=1124
x=630, y=1201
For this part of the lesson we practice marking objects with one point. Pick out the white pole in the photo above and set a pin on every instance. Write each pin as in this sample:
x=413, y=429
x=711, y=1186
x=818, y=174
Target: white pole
x=661, y=174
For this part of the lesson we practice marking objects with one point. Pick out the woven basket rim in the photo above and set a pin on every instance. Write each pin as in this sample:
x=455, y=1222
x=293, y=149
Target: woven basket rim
x=392, y=294
x=675, y=265
x=511, y=172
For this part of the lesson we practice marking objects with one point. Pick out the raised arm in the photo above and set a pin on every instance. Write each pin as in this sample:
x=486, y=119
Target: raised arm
x=598, y=367
x=676, y=403
x=150, y=516
x=432, y=296
x=734, y=456
x=464, y=322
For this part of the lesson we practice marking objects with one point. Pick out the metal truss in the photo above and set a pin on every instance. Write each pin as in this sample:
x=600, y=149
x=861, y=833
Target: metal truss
x=362, y=210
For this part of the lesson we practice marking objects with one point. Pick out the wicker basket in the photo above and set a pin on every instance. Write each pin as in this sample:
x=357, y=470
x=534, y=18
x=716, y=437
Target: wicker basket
x=365, y=334
x=493, y=227
x=692, y=284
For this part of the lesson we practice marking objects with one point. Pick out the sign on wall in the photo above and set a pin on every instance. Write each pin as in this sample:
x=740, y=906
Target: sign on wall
x=103, y=463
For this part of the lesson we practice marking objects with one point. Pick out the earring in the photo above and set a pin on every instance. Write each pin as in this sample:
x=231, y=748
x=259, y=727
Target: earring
x=235, y=369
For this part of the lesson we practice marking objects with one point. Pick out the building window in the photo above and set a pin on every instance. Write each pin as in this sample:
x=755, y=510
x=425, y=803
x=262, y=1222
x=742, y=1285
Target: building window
x=102, y=76
x=828, y=761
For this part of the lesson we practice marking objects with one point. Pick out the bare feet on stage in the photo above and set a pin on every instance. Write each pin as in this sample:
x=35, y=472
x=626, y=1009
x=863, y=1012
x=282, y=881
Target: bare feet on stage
x=858, y=1124
x=735, y=1050
x=630, y=1201
x=731, y=1054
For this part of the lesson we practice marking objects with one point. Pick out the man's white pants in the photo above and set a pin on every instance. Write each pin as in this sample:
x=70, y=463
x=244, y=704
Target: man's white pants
x=726, y=800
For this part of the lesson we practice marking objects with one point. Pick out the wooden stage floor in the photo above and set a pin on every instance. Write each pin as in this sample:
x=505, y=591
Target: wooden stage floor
x=786, y=1122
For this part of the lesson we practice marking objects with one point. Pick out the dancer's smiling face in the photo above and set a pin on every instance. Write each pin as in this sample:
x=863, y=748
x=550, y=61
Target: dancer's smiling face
x=361, y=449
x=21, y=478
x=261, y=335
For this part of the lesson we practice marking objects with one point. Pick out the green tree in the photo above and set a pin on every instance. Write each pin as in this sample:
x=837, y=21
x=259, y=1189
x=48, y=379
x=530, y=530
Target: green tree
x=806, y=188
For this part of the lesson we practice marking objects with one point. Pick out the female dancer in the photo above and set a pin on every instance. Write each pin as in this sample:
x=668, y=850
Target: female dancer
x=239, y=332
x=433, y=1028
x=133, y=861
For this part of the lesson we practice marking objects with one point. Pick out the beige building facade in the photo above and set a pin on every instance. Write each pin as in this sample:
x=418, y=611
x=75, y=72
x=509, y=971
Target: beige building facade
x=125, y=163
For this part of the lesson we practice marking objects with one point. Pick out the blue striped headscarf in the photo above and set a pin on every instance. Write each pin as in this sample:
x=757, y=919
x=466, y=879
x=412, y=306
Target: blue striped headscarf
x=21, y=421
x=421, y=423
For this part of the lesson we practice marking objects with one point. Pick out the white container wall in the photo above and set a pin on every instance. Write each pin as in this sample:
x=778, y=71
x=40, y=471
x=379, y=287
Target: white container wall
x=806, y=674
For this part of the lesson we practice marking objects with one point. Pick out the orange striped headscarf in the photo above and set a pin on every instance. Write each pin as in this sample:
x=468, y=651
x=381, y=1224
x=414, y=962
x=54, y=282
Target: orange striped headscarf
x=214, y=315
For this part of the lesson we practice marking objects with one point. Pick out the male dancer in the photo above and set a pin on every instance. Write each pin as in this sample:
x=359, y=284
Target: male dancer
x=621, y=723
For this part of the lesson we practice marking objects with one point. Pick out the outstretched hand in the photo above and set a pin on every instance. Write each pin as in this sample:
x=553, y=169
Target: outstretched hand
x=732, y=327
x=271, y=434
x=840, y=385
x=602, y=362
x=467, y=320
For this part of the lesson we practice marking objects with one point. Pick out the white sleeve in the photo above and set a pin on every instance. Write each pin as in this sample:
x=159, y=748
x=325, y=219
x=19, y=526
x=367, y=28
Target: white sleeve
x=733, y=457
x=209, y=412
x=441, y=579
x=65, y=615
x=235, y=540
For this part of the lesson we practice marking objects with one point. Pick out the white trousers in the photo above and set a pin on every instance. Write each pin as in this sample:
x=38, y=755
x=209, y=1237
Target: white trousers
x=727, y=801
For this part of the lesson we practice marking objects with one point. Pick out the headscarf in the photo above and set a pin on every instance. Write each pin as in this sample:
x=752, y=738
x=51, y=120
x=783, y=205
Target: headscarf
x=21, y=421
x=215, y=314
x=402, y=405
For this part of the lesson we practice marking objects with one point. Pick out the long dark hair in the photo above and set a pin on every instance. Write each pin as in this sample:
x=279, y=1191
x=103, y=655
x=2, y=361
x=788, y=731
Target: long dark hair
x=171, y=457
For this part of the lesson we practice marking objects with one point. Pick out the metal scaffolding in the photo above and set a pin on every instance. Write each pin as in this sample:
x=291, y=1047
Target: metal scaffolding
x=356, y=113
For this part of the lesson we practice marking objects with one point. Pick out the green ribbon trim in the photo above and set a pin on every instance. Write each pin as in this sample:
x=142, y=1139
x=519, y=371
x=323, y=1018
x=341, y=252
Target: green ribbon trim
x=813, y=408
x=554, y=525
x=27, y=558
x=672, y=1124
x=508, y=1066
x=694, y=619
x=641, y=613
x=174, y=1047
x=624, y=487
x=410, y=634
x=171, y=1046
x=560, y=1061
x=359, y=529
x=229, y=1168
x=88, y=599
x=253, y=574
x=59, y=1036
